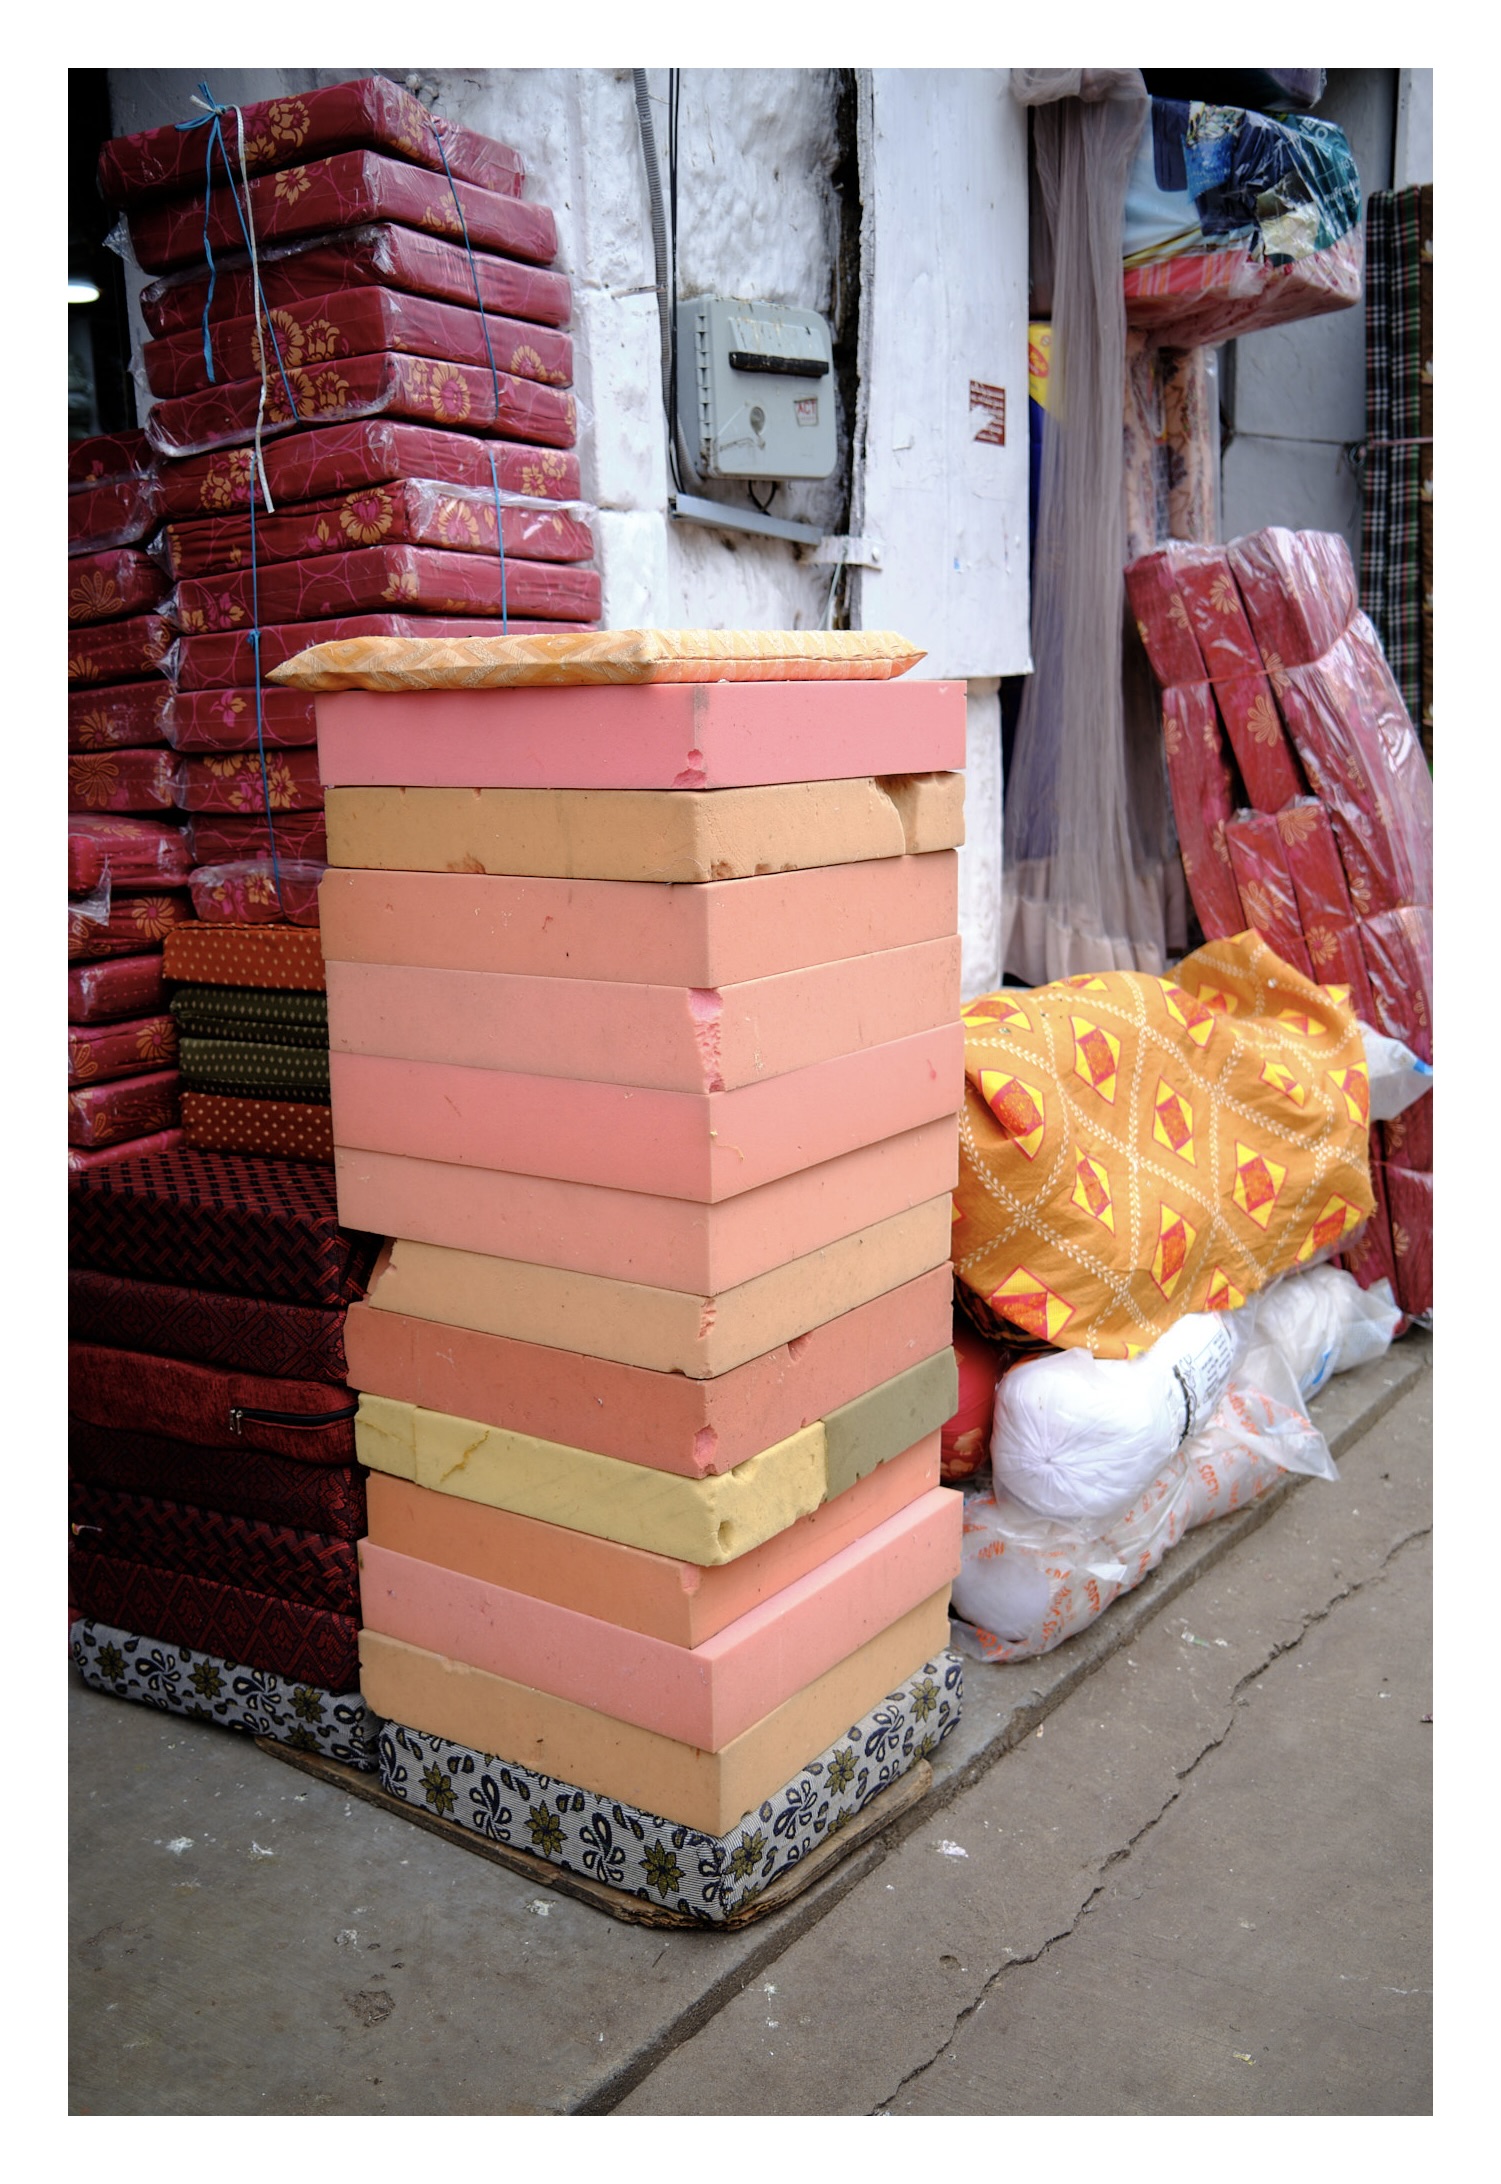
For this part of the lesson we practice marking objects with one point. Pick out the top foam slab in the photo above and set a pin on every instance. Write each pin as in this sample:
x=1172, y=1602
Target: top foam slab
x=656, y=736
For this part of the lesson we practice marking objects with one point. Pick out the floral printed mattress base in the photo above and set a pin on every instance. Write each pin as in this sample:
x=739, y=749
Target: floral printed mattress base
x=662, y=1862
x=181, y=1680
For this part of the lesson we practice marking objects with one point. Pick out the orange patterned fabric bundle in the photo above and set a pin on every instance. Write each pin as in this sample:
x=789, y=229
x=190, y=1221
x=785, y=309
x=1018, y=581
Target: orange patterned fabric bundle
x=1135, y=1148
x=600, y=656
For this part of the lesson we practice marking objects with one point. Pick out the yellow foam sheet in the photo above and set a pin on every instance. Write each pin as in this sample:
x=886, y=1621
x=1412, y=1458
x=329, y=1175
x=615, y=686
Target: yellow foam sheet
x=1135, y=1148
x=689, y=835
x=599, y=656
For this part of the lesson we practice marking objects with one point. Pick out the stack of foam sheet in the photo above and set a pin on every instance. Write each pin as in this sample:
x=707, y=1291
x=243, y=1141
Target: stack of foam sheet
x=418, y=428
x=215, y=1499
x=653, y=1088
x=1305, y=810
x=248, y=1009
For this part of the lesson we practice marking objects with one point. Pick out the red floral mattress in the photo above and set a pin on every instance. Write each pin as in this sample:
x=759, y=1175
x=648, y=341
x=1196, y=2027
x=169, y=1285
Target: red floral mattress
x=256, y=1228
x=139, y=852
x=243, y=1334
x=1407, y=1140
x=233, y=782
x=1203, y=801
x=254, y=1628
x=106, y=457
x=123, y=780
x=133, y=714
x=85, y=1163
x=357, y=322
x=130, y=986
x=135, y=922
x=240, y=1481
x=225, y=720
x=116, y=652
x=206, y=663
x=319, y=461
x=348, y=190
x=427, y=390
x=1409, y=1197
x=378, y=576
x=1325, y=912
x=100, y=1052
x=118, y=514
x=371, y=114
x=309, y=1567
x=284, y=1129
x=299, y=834
x=401, y=512
x=1265, y=886
x=131, y=1107
x=388, y=257
x=104, y=586
x=254, y=891
x=209, y=1404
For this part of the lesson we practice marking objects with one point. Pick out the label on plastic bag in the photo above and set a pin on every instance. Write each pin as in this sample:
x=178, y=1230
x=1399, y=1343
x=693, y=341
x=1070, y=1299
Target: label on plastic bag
x=1204, y=1375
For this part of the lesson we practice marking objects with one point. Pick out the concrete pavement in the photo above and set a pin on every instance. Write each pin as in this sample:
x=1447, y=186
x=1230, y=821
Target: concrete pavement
x=1197, y=1882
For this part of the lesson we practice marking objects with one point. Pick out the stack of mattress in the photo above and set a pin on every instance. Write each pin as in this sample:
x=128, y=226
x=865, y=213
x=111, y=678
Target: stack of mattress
x=127, y=859
x=1305, y=810
x=645, y=1056
x=419, y=473
x=251, y=1020
x=215, y=1497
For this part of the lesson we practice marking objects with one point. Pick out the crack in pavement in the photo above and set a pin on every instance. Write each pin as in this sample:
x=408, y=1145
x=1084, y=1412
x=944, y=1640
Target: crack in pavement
x=1238, y=1703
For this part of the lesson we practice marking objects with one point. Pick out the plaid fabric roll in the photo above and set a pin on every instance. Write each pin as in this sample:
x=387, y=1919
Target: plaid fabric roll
x=1399, y=429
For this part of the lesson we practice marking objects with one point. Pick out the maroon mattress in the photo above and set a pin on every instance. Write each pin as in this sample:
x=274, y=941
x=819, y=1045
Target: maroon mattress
x=130, y=713
x=100, y=1052
x=135, y=922
x=121, y=513
x=254, y=891
x=221, y=1221
x=309, y=1567
x=242, y=1334
x=116, y=652
x=225, y=720
x=106, y=457
x=210, y=1404
x=129, y=986
x=104, y=586
x=256, y=1628
x=130, y=1107
x=139, y=852
x=232, y=782
x=299, y=834
x=375, y=577
x=240, y=1481
x=323, y=460
x=83, y=1162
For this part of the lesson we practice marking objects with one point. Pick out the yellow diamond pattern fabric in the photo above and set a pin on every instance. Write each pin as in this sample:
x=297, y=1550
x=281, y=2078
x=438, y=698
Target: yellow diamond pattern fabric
x=1135, y=1148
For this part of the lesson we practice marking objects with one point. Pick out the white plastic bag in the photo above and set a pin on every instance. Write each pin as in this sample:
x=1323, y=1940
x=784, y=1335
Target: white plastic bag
x=1396, y=1075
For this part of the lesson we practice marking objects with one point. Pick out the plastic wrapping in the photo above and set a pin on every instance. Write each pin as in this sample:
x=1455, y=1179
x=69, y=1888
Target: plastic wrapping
x=129, y=986
x=326, y=460
x=372, y=113
x=1203, y=802
x=137, y=852
x=105, y=458
x=389, y=257
x=114, y=515
x=123, y=780
x=1028, y=1582
x=1398, y=949
x=253, y=892
x=130, y=1107
x=1264, y=883
x=132, y=714
x=424, y=390
x=216, y=840
x=117, y=652
x=135, y=922
x=209, y=662
x=226, y=720
x=406, y=511
x=356, y=322
x=1235, y=222
x=349, y=190
x=1397, y=1078
x=234, y=782
x=104, y=586
x=372, y=577
x=1325, y=912
x=1172, y=444
x=100, y=1052
x=1407, y=1138
x=276, y=1129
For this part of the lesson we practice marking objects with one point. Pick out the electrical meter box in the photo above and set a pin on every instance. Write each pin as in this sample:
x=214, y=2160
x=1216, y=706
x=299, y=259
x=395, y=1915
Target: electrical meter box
x=755, y=389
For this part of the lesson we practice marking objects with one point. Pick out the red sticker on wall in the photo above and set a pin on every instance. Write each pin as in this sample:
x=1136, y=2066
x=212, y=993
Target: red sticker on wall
x=992, y=402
